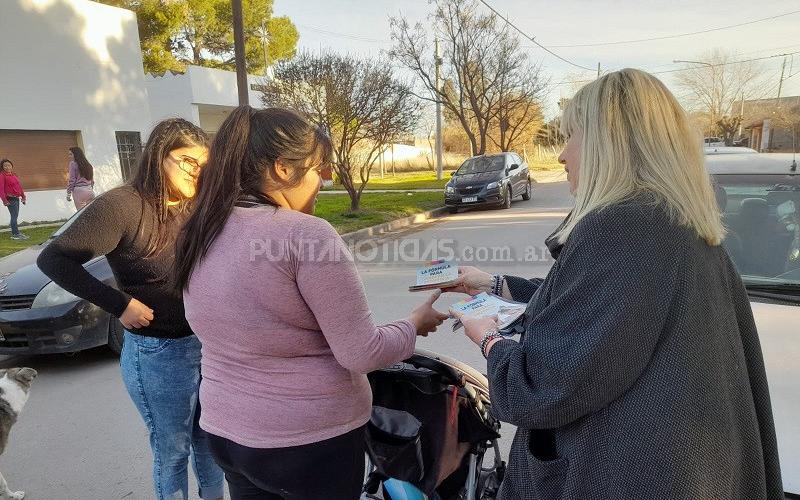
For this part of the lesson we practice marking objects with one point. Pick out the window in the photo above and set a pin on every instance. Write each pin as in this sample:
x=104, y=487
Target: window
x=762, y=214
x=129, y=146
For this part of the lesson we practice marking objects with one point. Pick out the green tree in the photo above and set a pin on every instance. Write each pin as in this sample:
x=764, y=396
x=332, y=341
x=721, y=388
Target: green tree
x=727, y=126
x=200, y=32
x=360, y=102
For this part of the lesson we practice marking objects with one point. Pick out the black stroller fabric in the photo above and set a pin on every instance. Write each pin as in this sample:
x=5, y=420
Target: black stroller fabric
x=394, y=445
x=449, y=428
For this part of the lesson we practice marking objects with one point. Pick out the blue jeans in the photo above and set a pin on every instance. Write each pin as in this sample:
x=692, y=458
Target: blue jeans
x=13, y=209
x=163, y=378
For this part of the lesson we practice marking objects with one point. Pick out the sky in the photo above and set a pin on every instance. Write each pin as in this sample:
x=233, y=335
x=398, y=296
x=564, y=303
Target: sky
x=361, y=27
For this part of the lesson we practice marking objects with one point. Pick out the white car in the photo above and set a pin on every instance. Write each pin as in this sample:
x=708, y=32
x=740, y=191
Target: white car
x=759, y=195
x=713, y=142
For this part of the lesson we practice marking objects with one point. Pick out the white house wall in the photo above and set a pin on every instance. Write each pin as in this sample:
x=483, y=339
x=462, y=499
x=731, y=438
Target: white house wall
x=171, y=97
x=218, y=87
x=71, y=65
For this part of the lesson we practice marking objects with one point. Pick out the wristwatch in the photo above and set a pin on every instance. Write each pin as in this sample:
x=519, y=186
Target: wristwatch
x=488, y=337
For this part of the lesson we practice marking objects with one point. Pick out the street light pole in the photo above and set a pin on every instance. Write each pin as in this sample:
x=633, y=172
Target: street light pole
x=439, y=161
x=239, y=53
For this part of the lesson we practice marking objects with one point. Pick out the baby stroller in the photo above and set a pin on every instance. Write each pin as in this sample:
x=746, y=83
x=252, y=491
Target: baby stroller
x=430, y=431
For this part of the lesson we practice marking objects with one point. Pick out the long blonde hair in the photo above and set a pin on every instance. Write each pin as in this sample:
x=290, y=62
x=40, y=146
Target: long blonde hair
x=636, y=139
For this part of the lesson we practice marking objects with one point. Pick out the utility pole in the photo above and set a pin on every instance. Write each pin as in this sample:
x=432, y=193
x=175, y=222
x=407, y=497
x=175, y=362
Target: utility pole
x=741, y=114
x=598, y=70
x=239, y=53
x=438, y=63
x=780, y=82
x=264, y=44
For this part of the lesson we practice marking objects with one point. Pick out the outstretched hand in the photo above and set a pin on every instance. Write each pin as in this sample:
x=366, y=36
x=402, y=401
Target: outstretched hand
x=425, y=318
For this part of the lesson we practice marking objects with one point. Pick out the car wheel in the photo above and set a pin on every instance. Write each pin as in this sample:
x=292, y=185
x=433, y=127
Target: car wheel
x=527, y=194
x=452, y=210
x=507, y=201
x=116, y=335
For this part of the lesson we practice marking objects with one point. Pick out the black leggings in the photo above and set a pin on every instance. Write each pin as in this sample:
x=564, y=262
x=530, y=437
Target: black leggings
x=327, y=470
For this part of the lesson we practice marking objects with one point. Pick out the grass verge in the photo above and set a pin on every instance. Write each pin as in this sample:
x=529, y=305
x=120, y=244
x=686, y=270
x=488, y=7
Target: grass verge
x=376, y=208
x=403, y=180
x=37, y=235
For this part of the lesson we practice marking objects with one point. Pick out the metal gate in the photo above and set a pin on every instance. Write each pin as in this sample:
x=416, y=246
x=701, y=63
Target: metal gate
x=129, y=146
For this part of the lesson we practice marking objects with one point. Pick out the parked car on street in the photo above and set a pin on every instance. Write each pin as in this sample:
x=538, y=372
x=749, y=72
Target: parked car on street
x=488, y=180
x=759, y=195
x=39, y=317
x=712, y=142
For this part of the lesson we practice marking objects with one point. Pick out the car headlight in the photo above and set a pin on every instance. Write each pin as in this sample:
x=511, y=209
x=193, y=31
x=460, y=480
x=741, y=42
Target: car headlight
x=53, y=295
x=449, y=189
x=493, y=185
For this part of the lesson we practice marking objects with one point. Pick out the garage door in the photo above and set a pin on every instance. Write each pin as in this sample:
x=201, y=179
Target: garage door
x=39, y=156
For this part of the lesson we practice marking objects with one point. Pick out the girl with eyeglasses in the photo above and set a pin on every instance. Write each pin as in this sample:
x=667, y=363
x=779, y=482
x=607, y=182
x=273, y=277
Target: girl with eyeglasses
x=135, y=227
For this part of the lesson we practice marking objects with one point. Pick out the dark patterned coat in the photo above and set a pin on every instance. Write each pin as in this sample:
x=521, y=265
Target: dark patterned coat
x=640, y=375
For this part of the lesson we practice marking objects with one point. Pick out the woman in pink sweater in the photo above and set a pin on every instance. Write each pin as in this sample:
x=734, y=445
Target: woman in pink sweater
x=11, y=193
x=80, y=185
x=275, y=298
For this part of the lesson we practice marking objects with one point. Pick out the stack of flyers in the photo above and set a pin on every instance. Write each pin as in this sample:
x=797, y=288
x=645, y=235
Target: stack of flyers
x=438, y=274
x=485, y=305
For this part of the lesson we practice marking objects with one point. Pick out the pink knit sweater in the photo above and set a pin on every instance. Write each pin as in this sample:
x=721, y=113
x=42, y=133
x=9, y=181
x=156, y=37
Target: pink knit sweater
x=287, y=332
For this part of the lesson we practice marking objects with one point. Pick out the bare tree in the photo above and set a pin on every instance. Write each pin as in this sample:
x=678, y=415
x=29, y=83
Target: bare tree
x=484, y=72
x=787, y=117
x=360, y=102
x=518, y=119
x=716, y=85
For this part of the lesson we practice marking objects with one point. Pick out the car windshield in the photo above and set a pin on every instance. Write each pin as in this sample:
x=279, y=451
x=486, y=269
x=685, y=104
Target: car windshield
x=481, y=164
x=66, y=224
x=762, y=214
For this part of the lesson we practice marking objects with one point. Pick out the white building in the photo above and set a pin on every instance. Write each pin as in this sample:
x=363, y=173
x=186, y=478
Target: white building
x=204, y=96
x=70, y=74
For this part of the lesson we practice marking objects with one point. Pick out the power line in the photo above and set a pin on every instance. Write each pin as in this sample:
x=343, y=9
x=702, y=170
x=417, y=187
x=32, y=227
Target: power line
x=342, y=35
x=727, y=63
x=568, y=82
x=666, y=37
x=533, y=40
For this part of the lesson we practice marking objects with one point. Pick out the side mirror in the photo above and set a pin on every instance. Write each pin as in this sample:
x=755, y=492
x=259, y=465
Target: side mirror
x=513, y=167
x=452, y=173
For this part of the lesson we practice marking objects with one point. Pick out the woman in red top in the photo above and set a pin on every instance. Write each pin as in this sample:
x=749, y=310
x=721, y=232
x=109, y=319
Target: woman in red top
x=11, y=193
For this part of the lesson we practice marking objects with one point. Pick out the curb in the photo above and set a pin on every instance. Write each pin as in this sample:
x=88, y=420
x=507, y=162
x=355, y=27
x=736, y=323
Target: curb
x=393, y=225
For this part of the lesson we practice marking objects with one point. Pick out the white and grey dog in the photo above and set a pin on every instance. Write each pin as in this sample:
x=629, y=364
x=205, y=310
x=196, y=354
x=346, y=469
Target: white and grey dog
x=14, y=386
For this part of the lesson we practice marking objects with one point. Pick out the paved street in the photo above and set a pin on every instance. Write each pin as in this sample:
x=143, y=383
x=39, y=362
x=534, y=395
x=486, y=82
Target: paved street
x=80, y=437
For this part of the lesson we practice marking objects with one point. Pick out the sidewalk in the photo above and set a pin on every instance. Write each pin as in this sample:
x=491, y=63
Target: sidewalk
x=31, y=226
x=548, y=176
x=424, y=190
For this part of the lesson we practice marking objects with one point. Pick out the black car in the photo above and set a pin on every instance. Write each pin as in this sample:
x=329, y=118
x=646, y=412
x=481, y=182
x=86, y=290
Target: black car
x=488, y=180
x=39, y=317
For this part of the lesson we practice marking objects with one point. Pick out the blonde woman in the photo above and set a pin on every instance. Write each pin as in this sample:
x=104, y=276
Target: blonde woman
x=640, y=373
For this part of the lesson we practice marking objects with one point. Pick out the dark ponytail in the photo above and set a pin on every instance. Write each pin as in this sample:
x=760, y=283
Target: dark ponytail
x=242, y=163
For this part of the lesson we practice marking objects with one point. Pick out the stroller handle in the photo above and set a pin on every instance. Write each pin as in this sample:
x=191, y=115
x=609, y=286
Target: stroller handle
x=458, y=372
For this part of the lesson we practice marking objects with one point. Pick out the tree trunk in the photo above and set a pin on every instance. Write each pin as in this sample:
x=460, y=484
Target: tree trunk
x=355, y=201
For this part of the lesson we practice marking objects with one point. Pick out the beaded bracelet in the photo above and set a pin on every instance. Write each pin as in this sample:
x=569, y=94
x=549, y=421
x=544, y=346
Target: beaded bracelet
x=497, y=284
x=488, y=337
